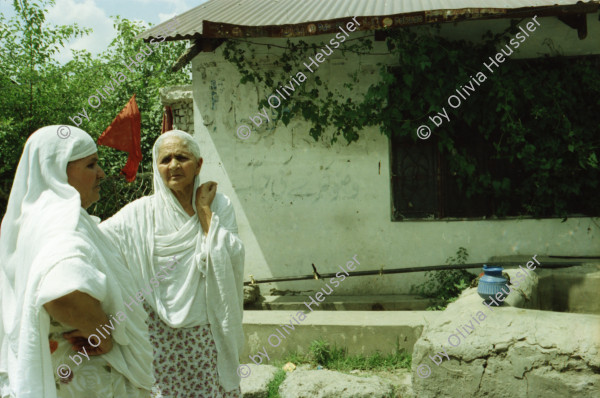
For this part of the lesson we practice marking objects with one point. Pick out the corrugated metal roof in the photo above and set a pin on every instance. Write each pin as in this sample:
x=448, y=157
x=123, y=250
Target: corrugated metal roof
x=223, y=18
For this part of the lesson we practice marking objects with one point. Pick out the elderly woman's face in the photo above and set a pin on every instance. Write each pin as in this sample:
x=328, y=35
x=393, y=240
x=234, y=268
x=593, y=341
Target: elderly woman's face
x=85, y=175
x=176, y=164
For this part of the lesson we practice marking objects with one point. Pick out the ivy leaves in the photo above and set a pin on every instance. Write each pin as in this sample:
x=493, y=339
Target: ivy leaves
x=536, y=119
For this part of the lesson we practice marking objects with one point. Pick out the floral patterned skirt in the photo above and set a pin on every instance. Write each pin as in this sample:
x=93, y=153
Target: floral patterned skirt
x=83, y=378
x=185, y=362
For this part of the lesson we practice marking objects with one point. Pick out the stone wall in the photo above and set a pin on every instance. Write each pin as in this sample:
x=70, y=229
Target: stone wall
x=179, y=98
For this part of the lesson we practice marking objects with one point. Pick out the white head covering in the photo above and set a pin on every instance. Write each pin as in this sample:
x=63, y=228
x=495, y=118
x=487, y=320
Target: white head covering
x=41, y=178
x=215, y=258
x=44, y=229
x=176, y=233
x=172, y=219
x=207, y=285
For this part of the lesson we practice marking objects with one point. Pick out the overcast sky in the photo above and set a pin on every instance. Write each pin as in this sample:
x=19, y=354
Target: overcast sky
x=96, y=14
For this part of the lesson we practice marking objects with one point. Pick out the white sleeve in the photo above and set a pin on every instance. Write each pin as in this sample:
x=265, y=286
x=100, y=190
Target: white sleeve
x=68, y=276
x=224, y=219
x=223, y=207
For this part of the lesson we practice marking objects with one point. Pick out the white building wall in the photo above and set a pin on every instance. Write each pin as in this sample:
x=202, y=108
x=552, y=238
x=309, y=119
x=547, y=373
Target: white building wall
x=300, y=202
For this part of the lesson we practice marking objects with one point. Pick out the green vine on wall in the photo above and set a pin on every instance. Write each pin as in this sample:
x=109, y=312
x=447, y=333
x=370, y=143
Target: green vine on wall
x=313, y=101
x=538, y=117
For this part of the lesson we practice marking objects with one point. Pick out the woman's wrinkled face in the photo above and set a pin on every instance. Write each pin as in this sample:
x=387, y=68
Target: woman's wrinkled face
x=177, y=165
x=85, y=176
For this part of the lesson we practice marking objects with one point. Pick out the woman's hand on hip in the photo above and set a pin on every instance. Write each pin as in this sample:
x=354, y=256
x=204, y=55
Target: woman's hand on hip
x=80, y=340
x=83, y=313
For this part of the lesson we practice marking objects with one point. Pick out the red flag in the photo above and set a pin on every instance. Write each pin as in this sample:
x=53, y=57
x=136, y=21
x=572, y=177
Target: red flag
x=124, y=134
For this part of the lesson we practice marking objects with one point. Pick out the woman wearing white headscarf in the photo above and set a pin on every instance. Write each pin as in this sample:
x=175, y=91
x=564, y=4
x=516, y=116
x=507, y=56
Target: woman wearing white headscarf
x=60, y=277
x=196, y=312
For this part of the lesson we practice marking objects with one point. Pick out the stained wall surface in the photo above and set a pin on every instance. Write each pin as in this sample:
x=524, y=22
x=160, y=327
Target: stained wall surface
x=300, y=202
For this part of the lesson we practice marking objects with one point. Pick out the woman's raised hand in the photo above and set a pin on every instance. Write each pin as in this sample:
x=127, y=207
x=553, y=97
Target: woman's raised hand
x=205, y=194
x=204, y=198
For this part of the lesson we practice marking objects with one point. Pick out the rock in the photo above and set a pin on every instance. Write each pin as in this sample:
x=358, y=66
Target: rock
x=251, y=294
x=330, y=384
x=255, y=385
x=400, y=379
x=289, y=367
x=507, y=351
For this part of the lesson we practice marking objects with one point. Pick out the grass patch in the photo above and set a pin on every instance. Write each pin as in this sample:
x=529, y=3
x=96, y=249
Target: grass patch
x=273, y=387
x=337, y=358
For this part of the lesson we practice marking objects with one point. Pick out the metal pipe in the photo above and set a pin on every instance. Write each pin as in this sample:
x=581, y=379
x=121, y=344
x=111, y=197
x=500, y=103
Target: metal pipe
x=582, y=257
x=316, y=275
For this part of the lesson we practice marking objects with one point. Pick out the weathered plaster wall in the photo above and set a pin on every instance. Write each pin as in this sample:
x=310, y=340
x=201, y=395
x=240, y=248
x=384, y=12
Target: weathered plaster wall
x=300, y=202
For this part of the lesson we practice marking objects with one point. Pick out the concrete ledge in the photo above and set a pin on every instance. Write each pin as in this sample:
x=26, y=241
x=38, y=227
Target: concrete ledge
x=361, y=332
x=507, y=351
x=396, y=302
x=572, y=289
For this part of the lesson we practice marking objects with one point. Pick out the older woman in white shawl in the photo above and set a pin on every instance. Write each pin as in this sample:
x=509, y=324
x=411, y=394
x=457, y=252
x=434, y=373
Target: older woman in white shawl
x=196, y=312
x=60, y=277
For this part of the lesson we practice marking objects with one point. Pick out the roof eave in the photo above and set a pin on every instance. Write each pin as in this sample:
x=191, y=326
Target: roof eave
x=211, y=29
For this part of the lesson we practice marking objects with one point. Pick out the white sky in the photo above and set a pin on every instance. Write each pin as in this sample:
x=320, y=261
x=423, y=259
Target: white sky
x=96, y=14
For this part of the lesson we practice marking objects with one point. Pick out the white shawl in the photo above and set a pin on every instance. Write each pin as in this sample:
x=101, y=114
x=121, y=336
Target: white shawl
x=50, y=247
x=207, y=283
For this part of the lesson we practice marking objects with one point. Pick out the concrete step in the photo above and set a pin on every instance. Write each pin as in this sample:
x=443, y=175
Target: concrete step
x=361, y=332
x=400, y=302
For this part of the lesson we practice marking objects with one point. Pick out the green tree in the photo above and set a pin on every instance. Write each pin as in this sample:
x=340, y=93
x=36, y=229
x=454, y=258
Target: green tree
x=38, y=91
x=29, y=76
